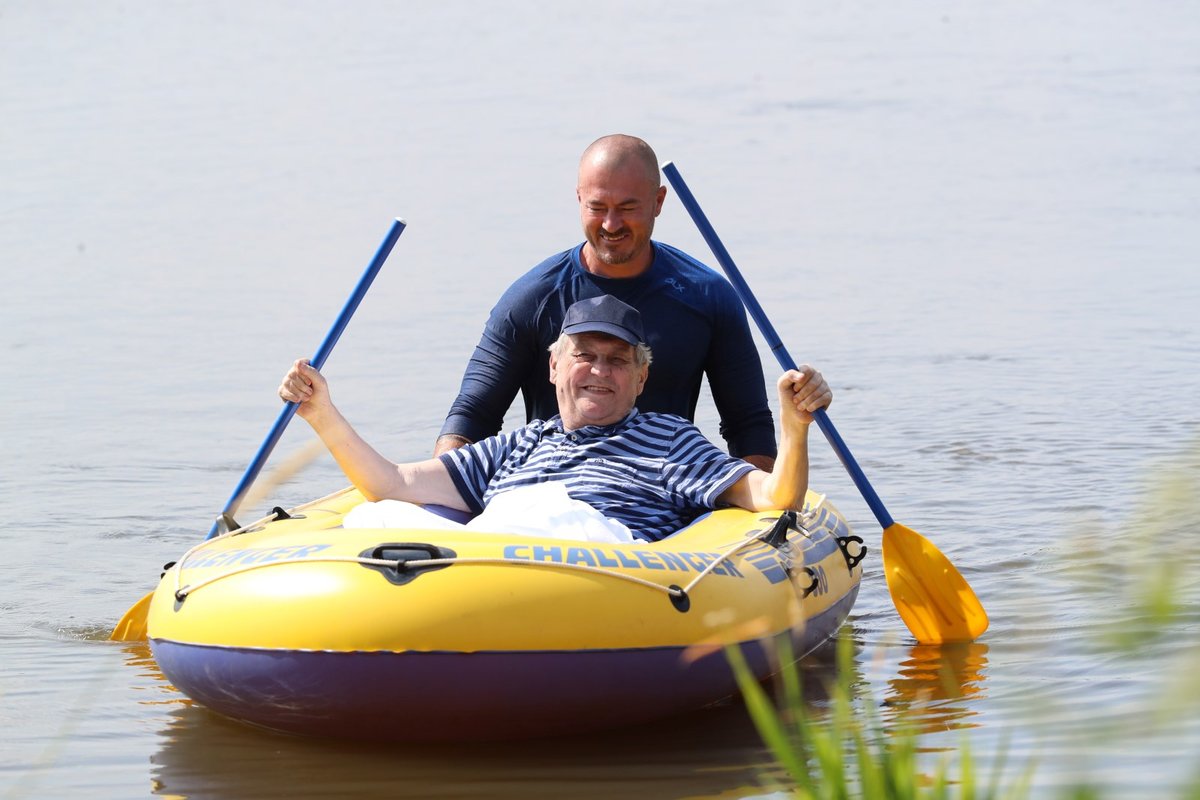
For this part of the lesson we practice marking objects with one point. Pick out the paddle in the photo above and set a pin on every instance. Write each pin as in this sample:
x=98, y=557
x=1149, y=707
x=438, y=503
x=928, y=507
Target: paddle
x=933, y=599
x=132, y=626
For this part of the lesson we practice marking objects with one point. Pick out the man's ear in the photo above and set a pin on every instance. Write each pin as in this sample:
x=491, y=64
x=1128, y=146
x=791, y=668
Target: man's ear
x=553, y=367
x=642, y=379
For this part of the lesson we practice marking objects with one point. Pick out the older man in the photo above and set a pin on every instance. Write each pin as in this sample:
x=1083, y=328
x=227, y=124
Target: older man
x=650, y=471
x=699, y=328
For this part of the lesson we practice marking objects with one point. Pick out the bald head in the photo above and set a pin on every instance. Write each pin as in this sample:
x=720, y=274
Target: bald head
x=618, y=152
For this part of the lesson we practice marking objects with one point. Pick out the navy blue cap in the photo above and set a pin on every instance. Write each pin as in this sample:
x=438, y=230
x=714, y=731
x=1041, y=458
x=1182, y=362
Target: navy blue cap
x=605, y=314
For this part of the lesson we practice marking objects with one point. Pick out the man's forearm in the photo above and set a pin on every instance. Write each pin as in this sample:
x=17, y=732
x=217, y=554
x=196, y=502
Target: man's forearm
x=371, y=473
x=786, y=486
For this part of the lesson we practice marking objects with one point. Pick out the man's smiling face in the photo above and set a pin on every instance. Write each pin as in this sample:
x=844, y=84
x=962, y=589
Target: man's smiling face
x=597, y=380
x=617, y=206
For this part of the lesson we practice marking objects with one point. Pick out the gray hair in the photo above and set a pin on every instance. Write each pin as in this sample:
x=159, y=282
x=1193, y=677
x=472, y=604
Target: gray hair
x=641, y=353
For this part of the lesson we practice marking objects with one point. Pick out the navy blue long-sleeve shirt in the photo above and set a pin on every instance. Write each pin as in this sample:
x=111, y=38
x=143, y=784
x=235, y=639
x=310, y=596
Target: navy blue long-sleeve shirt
x=694, y=322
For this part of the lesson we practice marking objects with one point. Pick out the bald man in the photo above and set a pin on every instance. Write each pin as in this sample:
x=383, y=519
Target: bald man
x=695, y=323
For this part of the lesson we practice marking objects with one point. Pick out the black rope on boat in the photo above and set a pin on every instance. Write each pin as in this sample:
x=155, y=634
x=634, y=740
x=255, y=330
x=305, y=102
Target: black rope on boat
x=852, y=560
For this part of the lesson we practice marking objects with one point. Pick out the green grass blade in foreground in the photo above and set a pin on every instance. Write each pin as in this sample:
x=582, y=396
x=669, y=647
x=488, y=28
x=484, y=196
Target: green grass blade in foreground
x=848, y=753
x=769, y=724
x=1152, y=577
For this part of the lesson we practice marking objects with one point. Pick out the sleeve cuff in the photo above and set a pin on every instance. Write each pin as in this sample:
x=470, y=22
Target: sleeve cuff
x=461, y=425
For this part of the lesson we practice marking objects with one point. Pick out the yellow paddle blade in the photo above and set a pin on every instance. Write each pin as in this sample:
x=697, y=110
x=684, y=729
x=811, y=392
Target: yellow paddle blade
x=132, y=627
x=935, y=602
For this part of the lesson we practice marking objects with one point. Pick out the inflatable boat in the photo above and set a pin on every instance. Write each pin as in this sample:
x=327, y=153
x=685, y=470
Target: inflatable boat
x=298, y=624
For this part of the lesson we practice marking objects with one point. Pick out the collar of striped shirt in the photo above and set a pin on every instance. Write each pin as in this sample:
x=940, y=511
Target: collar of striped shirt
x=588, y=432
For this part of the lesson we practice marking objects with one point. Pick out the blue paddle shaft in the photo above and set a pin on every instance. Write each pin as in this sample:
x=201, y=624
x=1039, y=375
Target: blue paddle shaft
x=318, y=361
x=773, y=340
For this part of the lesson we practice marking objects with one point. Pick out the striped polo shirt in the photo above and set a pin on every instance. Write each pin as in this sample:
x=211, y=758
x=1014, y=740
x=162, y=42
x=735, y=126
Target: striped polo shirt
x=654, y=473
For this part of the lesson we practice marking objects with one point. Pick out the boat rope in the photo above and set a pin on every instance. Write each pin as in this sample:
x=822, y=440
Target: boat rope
x=182, y=592
x=725, y=555
x=675, y=592
x=276, y=513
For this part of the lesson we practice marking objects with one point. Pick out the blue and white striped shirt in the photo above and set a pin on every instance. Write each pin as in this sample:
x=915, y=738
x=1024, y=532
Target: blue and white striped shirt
x=654, y=473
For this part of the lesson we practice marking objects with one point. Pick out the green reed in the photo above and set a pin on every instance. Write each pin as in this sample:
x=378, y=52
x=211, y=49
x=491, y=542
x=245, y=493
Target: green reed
x=847, y=751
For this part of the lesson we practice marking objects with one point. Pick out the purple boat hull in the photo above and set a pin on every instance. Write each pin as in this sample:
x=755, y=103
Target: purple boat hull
x=478, y=696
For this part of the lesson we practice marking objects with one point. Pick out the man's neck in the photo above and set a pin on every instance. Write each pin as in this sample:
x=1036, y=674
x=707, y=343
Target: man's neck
x=630, y=269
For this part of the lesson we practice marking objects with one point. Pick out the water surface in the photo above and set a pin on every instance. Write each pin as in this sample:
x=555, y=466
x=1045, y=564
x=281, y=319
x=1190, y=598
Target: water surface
x=980, y=220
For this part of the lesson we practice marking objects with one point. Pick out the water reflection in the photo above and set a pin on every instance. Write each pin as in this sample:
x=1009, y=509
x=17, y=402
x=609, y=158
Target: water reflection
x=708, y=754
x=139, y=657
x=705, y=755
x=936, y=687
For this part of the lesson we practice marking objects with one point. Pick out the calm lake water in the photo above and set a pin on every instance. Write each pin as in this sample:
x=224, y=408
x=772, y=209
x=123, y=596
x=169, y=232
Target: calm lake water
x=980, y=220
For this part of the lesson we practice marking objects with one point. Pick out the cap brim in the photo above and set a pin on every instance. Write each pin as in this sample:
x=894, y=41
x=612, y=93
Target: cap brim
x=624, y=334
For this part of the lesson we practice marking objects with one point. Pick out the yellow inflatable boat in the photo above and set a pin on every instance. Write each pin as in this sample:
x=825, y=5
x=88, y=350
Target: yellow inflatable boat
x=300, y=625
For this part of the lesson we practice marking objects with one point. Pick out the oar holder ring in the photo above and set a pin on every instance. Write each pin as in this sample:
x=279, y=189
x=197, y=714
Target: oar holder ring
x=813, y=586
x=852, y=560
